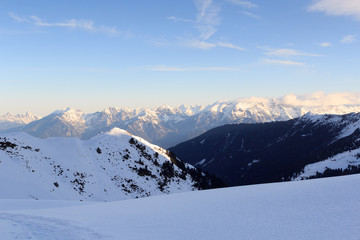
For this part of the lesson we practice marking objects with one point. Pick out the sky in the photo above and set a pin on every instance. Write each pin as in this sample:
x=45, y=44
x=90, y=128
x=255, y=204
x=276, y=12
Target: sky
x=89, y=54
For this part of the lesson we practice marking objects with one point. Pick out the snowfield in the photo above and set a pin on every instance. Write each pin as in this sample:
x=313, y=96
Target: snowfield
x=318, y=209
x=339, y=161
x=111, y=166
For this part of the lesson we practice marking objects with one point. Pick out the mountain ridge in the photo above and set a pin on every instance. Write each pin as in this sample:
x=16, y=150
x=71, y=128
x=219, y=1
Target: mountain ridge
x=167, y=126
x=115, y=165
x=306, y=147
x=9, y=121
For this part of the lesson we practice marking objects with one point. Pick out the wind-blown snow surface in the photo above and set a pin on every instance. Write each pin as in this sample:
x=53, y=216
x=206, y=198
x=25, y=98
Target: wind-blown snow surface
x=111, y=166
x=322, y=209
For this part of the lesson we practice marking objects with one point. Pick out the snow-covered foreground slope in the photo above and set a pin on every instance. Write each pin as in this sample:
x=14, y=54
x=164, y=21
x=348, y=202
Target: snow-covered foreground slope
x=322, y=209
x=111, y=166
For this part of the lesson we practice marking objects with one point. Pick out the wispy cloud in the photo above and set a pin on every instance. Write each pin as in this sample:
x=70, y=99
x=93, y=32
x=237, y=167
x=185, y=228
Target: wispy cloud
x=194, y=43
x=158, y=42
x=283, y=62
x=229, y=45
x=199, y=44
x=337, y=7
x=287, y=52
x=252, y=15
x=207, y=18
x=165, y=68
x=246, y=4
x=348, y=39
x=18, y=18
x=71, y=23
x=206, y=22
x=177, y=19
x=321, y=99
x=325, y=44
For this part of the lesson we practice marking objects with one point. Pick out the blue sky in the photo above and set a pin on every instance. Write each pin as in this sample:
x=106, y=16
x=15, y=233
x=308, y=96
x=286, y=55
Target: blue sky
x=93, y=54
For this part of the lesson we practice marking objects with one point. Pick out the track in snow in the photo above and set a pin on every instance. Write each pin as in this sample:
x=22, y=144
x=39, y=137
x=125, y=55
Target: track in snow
x=22, y=226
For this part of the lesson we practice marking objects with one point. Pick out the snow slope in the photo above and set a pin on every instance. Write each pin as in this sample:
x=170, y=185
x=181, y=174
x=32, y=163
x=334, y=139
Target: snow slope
x=344, y=161
x=321, y=209
x=111, y=166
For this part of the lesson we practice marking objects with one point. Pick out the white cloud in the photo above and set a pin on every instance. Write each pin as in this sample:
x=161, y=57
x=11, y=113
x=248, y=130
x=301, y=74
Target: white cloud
x=165, y=68
x=283, y=62
x=159, y=42
x=321, y=99
x=252, y=15
x=18, y=18
x=229, y=45
x=199, y=44
x=337, y=7
x=202, y=6
x=207, y=21
x=72, y=23
x=209, y=45
x=246, y=4
x=207, y=18
x=177, y=19
x=325, y=44
x=348, y=39
x=287, y=52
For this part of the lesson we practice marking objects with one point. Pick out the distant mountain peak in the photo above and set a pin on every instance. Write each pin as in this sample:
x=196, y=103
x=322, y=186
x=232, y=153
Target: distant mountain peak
x=66, y=110
x=166, y=125
x=111, y=110
x=19, y=118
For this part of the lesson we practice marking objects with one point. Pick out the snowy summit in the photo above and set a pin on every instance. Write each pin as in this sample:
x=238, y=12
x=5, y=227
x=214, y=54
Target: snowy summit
x=111, y=166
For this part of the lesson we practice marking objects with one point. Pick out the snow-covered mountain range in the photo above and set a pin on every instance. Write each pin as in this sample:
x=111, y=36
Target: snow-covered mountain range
x=9, y=121
x=167, y=126
x=307, y=147
x=110, y=166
